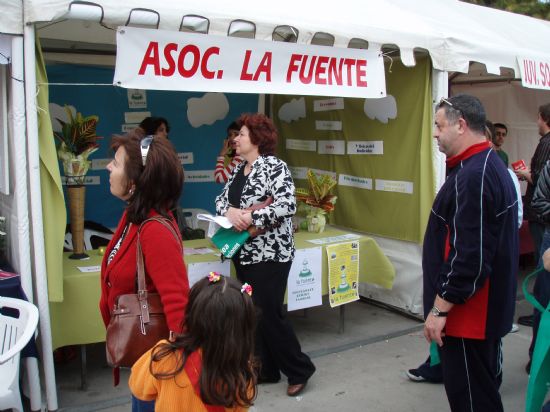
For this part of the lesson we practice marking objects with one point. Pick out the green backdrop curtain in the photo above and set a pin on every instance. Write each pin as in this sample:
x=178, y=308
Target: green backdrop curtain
x=54, y=214
x=407, y=155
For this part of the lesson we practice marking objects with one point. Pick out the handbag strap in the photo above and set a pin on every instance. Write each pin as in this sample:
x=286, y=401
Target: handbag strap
x=532, y=300
x=141, y=284
x=193, y=367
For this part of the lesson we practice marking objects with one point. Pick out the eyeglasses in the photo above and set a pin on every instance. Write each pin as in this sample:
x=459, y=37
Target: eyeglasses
x=144, y=145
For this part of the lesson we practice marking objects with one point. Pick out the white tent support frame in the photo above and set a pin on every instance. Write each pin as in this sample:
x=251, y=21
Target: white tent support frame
x=18, y=111
x=37, y=228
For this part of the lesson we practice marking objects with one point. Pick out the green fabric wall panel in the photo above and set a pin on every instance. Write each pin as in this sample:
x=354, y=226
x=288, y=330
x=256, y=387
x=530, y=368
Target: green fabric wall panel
x=406, y=156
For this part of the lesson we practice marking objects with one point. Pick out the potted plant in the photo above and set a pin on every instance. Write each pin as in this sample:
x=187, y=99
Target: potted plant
x=77, y=141
x=317, y=200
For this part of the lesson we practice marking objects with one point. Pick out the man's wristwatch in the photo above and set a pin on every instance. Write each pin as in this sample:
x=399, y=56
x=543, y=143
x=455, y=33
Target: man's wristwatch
x=437, y=313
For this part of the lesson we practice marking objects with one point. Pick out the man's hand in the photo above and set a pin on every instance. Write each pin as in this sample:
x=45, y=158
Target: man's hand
x=226, y=148
x=546, y=260
x=435, y=325
x=523, y=174
x=433, y=328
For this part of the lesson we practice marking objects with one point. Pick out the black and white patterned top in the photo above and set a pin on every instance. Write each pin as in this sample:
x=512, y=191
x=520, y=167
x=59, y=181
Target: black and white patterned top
x=269, y=177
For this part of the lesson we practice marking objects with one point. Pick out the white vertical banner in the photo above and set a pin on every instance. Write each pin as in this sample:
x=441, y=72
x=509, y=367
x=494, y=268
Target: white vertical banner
x=304, y=280
x=171, y=60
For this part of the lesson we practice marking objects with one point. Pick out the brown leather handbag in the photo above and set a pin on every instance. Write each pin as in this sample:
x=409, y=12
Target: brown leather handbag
x=137, y=321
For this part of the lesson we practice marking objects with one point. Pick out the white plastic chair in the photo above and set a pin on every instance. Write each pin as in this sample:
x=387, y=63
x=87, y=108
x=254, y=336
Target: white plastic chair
x=88, y=233
x=15, y=333
x=191, y=218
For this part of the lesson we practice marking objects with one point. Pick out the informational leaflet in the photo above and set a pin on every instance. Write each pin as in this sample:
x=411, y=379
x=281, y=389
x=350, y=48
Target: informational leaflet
x=343, y=273
x=197, y=271
x=332, y=239
x=304, y=280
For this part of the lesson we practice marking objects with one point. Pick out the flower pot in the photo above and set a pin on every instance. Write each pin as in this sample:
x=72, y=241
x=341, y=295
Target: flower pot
x=316, y=221
x=76, y=196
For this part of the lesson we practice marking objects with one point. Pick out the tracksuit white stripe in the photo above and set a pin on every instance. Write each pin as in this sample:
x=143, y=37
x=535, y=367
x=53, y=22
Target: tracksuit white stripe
x=467, y=374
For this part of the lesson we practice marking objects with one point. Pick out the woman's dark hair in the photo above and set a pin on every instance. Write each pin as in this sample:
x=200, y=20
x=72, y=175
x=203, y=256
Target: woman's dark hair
x=150, y=125
x=262, y=132
x=233, y=126
x=158, y=184
x=220, y=320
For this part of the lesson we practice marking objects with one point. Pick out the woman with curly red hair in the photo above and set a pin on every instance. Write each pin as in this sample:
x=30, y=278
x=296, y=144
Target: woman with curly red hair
x=264, y=261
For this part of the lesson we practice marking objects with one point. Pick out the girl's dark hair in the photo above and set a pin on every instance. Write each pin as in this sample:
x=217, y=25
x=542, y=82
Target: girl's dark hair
x=220, y=320
x=158, y=184
x=262, y=132
x=150, y=125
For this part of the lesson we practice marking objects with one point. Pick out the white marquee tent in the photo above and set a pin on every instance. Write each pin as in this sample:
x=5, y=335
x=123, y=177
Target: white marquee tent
x=454, y=35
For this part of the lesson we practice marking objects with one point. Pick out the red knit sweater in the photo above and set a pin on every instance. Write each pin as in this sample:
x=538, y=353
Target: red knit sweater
x=164, y=267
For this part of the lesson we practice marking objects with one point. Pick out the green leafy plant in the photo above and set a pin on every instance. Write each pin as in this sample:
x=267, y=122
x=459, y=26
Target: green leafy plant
x=318, y=192
x=78, y=135
x=77, y=140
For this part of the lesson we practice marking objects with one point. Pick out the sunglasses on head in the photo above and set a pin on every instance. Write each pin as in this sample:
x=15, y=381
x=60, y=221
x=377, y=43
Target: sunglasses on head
x=144, y=146
x=452, y=106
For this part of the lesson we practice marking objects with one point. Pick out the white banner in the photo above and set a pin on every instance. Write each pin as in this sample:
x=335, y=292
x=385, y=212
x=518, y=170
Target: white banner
x=535, y=72
x=170, y=60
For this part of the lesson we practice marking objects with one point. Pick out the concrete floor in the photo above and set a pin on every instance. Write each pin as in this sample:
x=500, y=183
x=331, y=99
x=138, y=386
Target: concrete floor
x=362, y=369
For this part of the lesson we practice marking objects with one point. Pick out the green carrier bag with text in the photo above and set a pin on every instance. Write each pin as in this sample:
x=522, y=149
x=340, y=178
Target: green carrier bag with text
x=229, y=241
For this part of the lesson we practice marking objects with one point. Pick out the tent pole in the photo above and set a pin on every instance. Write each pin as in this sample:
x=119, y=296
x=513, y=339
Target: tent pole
x=440, y=88
x=19, y=168
x=19, y=165
x=41, y=282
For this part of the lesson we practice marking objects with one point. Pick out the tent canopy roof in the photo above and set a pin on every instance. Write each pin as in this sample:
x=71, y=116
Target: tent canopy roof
x=452, y=32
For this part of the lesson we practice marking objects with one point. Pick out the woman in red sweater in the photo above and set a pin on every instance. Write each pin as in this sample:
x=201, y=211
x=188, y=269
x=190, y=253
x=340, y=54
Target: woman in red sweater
x=147, y=175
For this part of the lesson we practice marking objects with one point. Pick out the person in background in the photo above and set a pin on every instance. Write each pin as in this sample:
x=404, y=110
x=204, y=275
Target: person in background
x=540, y=157
x=501, y=131
x=140, y=166
x=228, y=159
x=264, y=261
x=469, y=259
x=212, y=362
x=156, y=126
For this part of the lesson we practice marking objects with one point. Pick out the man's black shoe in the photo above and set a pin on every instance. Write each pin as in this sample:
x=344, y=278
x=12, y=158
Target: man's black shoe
x=526, y=320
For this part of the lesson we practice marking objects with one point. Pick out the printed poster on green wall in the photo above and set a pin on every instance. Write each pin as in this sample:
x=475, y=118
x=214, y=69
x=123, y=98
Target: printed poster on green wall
x=378, y=150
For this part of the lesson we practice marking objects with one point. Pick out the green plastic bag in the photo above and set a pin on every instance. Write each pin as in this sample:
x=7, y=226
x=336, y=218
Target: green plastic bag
x=540, y=362
x=229, y=241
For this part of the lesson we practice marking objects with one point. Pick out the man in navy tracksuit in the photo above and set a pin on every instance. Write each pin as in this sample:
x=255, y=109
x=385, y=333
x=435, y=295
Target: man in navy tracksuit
x=470, y=257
